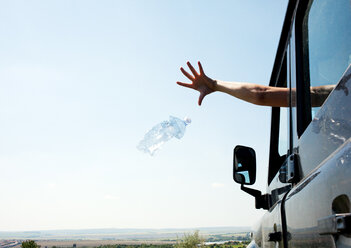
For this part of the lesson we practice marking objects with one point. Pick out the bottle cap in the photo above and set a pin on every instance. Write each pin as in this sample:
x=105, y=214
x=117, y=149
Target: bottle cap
x=187, y=120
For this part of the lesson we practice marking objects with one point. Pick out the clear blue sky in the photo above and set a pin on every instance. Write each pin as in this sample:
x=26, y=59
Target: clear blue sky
x=82, y=81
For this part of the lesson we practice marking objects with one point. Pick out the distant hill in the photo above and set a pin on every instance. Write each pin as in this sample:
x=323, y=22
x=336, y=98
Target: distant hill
x=119, y=233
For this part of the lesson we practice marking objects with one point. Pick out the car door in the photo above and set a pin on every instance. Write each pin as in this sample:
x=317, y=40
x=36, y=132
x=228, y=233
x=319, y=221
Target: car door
x=318, y=205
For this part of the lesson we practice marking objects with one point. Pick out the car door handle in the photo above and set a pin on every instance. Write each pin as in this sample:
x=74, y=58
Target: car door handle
x=333, y=224
x=275, y=236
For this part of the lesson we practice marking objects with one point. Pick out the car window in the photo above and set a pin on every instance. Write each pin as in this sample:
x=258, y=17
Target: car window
x=283, y=132
x=326, y=46
x=279, y=129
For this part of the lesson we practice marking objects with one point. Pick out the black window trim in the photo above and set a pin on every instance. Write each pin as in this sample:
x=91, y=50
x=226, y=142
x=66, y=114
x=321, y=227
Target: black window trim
x=280, y=65
x=295, y=13
x=303, y=98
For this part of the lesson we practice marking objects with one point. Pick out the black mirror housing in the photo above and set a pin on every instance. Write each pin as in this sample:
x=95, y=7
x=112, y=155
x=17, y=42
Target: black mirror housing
x=244, y=165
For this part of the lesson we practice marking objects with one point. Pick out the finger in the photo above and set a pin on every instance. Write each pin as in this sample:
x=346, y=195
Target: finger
x=201, y=97
x=192, y=69
x=201, y=69
x=187, y=74
x=185, y=85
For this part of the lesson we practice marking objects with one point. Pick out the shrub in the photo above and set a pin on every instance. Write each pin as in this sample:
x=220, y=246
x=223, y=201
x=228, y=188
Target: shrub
x=192, y=240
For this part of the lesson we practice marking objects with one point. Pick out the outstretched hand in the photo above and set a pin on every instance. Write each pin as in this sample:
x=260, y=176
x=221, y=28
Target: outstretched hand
x=199, y=82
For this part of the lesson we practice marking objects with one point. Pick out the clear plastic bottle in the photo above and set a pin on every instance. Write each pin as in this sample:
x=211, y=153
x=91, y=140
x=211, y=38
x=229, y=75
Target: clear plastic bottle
x=163, y=132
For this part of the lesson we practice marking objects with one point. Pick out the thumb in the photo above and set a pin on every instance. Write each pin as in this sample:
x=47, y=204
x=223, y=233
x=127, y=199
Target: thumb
x=201, y=97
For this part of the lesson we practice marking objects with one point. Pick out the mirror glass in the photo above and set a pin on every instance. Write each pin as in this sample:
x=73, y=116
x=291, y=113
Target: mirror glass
x=244, y=165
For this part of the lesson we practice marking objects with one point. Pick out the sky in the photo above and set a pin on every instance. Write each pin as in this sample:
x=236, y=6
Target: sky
x=82, y=81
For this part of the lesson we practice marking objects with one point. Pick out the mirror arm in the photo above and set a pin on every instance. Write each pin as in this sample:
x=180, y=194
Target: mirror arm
x=254, y=192
x=261, y=201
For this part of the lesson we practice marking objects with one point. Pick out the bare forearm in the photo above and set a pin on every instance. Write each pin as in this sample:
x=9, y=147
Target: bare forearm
x=255, y=93
x=319, y=94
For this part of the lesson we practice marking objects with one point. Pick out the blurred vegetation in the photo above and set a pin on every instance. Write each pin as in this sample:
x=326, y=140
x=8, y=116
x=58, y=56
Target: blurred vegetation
x=232, y=244
x=192, y=240
x=29, y=244
x=224, y=237
x=138, y=246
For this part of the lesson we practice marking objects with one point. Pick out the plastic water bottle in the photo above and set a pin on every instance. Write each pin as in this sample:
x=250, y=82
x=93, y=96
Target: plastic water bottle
x=163, y=132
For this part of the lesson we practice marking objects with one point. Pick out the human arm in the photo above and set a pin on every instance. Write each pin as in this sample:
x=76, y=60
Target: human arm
x=256, y=93
x=319, y=94
x=253, y=93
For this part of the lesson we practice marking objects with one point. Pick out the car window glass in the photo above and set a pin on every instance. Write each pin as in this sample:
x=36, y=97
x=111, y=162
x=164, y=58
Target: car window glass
x=327, y=46
x=283, y=132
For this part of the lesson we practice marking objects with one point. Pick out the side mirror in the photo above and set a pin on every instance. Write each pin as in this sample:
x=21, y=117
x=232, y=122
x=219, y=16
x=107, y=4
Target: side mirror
x=244, y=165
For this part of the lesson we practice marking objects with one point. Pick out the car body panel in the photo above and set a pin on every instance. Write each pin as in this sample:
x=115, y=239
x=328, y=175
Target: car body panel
x=330, y=128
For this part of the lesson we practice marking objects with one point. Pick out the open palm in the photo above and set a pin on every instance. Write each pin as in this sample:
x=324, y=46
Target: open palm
x=199, y=81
